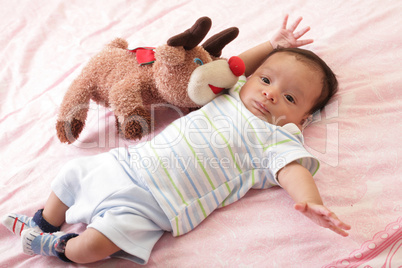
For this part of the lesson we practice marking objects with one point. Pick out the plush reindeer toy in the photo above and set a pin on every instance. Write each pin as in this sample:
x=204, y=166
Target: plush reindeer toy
x=180, y=73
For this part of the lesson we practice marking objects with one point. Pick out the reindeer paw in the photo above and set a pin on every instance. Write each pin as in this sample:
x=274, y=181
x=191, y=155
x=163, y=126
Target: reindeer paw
x=68, y=132
x=136, y=125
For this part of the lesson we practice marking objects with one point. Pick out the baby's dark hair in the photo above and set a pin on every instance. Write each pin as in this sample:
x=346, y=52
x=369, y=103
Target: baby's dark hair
x=330, y=83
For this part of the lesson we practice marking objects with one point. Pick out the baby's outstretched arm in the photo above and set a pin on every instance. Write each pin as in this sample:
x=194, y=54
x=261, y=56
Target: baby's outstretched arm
x=284, y=37
x=300, y=185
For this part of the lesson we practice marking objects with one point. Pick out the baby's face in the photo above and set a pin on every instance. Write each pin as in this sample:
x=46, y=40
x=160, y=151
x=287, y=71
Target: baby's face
x=282, y=90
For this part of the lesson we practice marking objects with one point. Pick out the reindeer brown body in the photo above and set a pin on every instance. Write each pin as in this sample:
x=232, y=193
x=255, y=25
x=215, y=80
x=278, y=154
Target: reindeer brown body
x=115, y=79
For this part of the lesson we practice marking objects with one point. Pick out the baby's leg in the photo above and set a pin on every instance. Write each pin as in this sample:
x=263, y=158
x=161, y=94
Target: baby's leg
x=55, y=210
x=90, y=246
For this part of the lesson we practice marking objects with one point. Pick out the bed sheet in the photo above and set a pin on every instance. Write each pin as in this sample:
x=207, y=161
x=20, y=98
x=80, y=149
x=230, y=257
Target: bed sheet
x=45, y=44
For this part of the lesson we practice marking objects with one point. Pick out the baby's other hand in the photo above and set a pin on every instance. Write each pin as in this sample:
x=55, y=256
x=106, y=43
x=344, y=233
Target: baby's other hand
x=323, y=217
x=287, y=38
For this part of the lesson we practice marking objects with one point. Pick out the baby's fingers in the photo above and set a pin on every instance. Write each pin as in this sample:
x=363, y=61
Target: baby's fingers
x=338, y=230
x=295, y=24
x=300, y=43
x=337, y=225
x=285, y=21
x=302, y=32
x=300, y=207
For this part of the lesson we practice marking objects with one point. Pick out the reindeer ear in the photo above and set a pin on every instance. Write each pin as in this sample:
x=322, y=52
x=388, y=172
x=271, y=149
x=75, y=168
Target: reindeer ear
x=216, y=43
x=193, y=36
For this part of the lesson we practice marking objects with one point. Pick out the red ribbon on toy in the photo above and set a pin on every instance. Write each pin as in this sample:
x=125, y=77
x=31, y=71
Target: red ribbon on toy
x=145, y=55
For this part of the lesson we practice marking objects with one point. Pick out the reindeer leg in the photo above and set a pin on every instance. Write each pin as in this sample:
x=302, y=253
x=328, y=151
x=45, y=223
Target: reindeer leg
x=136, y=124
x=132, y=119
x=73, y=110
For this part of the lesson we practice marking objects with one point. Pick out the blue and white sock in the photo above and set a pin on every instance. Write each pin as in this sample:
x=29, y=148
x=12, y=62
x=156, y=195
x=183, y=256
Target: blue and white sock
x=17, y=223
x=45, y=244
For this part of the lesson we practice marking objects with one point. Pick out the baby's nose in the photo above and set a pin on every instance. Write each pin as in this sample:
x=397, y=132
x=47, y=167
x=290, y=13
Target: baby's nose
x=270, y=95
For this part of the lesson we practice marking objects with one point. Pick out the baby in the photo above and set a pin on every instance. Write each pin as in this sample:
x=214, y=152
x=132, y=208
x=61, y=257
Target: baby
x=210, y=158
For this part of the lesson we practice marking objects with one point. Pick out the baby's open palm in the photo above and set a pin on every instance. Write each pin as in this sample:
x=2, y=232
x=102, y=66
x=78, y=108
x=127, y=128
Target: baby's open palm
x=286, y=38
x=323, y=217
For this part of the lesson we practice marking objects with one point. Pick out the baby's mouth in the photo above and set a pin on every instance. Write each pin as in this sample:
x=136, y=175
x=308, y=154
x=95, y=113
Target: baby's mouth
x=261, y=107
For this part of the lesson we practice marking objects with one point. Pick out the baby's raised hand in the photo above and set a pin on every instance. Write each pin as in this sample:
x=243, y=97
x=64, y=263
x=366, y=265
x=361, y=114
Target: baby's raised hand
x=323, y=217
x=287, y=37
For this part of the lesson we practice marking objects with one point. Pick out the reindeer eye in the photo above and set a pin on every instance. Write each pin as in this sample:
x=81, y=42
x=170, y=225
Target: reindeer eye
x=198, y=61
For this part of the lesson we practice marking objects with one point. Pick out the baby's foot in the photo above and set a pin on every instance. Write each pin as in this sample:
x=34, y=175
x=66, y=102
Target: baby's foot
x=39, y=243
x=45, y=244
x=16, y=223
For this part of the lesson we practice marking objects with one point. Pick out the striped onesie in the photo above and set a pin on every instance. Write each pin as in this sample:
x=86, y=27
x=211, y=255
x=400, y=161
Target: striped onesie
x=213, y=156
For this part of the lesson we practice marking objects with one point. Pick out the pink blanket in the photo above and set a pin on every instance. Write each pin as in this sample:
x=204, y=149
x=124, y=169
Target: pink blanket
x=45, y=44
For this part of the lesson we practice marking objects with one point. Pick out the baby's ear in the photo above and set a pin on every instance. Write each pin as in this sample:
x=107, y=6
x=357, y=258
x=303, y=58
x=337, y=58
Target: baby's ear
x=306, y=121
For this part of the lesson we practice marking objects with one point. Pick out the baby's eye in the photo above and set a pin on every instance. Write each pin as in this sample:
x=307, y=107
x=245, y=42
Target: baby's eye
x=266, y=80
x=290, y=98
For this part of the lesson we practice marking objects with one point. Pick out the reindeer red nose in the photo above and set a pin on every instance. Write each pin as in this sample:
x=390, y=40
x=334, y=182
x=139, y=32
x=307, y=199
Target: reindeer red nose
x=237, y=66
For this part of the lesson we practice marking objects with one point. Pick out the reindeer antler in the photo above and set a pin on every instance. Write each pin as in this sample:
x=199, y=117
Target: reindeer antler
x=216, y=43
x=190, y=38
